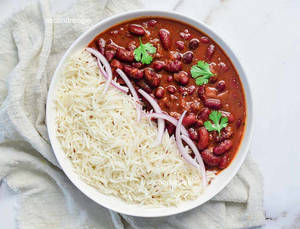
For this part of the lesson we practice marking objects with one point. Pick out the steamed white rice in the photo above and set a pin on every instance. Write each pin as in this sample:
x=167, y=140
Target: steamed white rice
x=109, y=149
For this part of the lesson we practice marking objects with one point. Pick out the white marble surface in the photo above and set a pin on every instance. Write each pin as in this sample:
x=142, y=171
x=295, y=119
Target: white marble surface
x=266, y=36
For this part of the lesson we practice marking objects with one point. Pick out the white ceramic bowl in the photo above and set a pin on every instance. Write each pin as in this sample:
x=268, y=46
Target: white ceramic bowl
x=114, y=203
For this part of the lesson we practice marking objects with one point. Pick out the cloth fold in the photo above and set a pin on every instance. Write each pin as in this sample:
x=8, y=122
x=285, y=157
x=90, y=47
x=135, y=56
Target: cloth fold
x=31, y=44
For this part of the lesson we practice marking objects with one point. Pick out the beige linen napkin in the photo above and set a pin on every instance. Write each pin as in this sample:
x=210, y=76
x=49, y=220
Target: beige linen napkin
x=31, y=44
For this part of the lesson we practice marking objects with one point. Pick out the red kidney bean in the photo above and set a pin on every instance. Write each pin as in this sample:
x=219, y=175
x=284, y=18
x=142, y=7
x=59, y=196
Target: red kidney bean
x=195, y=106
x=171, y=128
x=203, y=141
x=213, y=79
x=201, y=92
x=137, y=65
x=164, y=36
x=193, y=134
x=152, y=22
x=152, y=77
x=111, y=45
x=210, y=92
x=223, y=147
x=149, y=73
x=174, y=55
x=179, y=45
x=223, y=67
x=238, y=123
x=125, y=55
x=182, y=77
x=158, y=65
x=171, y=89
x=209, y=158
x=229, y=115
x=136, y=29
x=160, y=92
x=199, y=123
x=136, y=73
x=213, y=103
x=204, y=39
x=194, y=44
x=170, y=78
x=131, y=46
x=183, y=90
x=224, y=161
x=116, y=64
x=204, y=114
x=110, y=54
x=155, y=81
x=101, y=45
x=210, y=51
x=173, y=66
x=142, y=84
x=184, y=80
x=189, y=119
x=221, y=86
x=127, y=69
x=226, y=133
x=187, y=57
x=191, y=89
x=185, y=36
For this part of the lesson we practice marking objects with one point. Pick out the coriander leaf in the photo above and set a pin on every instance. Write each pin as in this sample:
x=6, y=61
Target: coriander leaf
x=201, y=69
x=141, y=53
x=150, y=48
x=215, y=116
x=209, y=126
x=224, y=122
x=219, y=122
x=202, y=80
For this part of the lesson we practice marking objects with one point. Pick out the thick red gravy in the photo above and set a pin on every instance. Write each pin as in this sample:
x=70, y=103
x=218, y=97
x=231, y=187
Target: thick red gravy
x=168, y=80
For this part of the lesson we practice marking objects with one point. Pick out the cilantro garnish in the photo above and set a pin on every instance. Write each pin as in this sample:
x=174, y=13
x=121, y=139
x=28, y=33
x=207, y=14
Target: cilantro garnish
x=201, y=69
x=141, y=53
x=219, y=122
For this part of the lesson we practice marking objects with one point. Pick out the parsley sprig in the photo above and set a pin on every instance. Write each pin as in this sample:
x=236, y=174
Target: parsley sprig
x=201, y=69
x=219, y=122
x=141, y=53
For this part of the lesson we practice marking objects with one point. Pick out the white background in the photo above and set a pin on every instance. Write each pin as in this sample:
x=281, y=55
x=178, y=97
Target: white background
x=266, y=36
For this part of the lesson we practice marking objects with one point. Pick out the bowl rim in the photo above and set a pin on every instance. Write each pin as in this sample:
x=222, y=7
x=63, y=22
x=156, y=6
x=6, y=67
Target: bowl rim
x=133, y=209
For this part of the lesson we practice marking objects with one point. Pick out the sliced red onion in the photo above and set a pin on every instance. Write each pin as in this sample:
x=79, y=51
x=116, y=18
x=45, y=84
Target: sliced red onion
x=113, y=83
x=133, y=92
x=160, y=121
x=195, y=150
x=169, y=119
x=105, y=64
x=180, y=146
